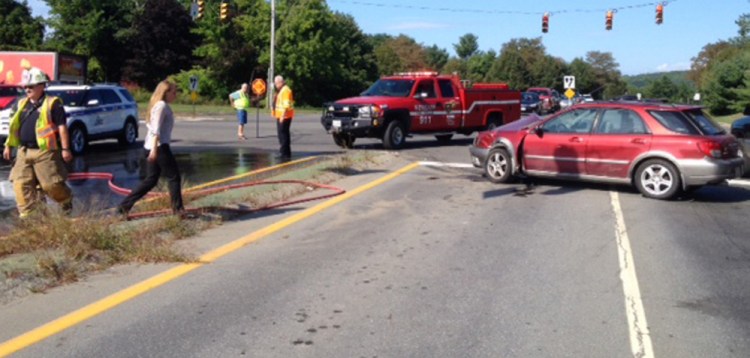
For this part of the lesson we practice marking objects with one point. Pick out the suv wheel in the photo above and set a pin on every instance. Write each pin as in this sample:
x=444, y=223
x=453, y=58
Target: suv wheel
x=78, y=139
x=129, y=133
x=394, y=136
x=657, y=179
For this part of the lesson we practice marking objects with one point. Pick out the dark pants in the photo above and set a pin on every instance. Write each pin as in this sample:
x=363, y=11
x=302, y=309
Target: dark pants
x=285, y=138
x=166, y=166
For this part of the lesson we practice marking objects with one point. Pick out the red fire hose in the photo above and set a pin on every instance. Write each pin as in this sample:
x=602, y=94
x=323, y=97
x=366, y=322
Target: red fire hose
x=204, y=192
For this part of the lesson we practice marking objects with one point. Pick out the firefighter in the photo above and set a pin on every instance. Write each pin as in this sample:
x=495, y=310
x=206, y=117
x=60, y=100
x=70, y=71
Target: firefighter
x=39, y=132
x=283, y=111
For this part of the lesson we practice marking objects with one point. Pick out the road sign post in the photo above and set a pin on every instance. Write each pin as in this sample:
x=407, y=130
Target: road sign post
x=259, y=87
x=194, y=91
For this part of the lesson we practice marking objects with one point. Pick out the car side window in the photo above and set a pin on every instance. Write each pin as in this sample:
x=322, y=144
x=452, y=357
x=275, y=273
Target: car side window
x=576, y=121
x=446, y=88
x=109, y=97
x=621, y=121
x=93, y=95
x=125, y=94
x=675, y=121
x=426, y=86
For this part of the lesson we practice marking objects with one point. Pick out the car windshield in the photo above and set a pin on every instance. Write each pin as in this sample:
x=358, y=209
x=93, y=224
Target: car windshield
x=529, y=97
x=706, y=124
x=539, y=92
x=9, y=92
x=70, y=98
x=390, y=88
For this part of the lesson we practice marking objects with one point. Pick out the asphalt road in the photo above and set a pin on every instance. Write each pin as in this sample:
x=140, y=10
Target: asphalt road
x=440, y=263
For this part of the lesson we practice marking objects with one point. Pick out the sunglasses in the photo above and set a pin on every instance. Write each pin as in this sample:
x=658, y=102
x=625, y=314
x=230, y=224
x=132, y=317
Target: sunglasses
x=29, y=87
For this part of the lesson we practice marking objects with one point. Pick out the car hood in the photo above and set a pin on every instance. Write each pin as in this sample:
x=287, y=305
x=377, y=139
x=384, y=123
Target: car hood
x=371, y=100
x=522, y=124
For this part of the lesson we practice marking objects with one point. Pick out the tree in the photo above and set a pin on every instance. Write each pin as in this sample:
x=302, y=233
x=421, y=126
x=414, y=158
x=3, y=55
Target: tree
x=436, y=57
x=711, y=53
x=584, y=74
x=162, y=43
x=662, y=88
x=19, y=31
x=478, y=66
x=94, y=28
x=743, y=22
x=324, y=55
x=467, y=46
x=606, y=73
x=399, y=54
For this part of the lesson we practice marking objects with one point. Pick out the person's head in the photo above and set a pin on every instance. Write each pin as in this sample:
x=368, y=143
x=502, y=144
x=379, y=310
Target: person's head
x=278, y=81
x=165, y=91
x=244, y=87
x=33, y=82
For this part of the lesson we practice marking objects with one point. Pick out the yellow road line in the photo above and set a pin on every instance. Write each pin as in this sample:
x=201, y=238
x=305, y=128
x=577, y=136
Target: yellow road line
x=107, y=303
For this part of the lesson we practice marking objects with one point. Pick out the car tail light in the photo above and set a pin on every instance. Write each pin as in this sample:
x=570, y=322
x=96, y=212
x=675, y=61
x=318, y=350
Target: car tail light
x=710, y=148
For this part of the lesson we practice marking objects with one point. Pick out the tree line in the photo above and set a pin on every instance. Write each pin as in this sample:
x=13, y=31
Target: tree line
x=323, y=53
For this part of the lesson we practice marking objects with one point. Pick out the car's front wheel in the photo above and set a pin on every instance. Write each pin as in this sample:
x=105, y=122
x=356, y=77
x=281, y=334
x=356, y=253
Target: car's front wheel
x=78, y=139
x=395, y=135
x=658, y=179
x=129, y=133
x=498, y=166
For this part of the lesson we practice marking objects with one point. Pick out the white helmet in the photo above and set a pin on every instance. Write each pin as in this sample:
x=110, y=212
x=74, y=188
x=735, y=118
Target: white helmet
x=33, y=76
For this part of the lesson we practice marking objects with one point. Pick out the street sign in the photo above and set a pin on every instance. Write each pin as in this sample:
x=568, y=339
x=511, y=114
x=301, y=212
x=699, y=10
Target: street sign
x=570, y=93
x=193, y=83
x=569, y=82
x=194, y=96
x=259, y=87
x=194, y=10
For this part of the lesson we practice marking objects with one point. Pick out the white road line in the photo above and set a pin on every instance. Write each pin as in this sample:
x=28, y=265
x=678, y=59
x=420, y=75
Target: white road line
x=640, y=339
x=444, y=165
x=739, y=182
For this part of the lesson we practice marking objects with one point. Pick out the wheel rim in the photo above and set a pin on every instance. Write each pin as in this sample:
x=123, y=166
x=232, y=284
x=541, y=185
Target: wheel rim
x=497, y=166
x=130, y=133
x=78, y=140
x=657, y=179
x=398, y=135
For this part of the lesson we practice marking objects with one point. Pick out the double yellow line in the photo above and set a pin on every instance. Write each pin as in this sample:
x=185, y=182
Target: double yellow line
x=107, y=303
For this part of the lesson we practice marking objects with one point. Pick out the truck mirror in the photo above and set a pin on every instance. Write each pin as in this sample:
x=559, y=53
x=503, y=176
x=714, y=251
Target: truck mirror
x=420, y=95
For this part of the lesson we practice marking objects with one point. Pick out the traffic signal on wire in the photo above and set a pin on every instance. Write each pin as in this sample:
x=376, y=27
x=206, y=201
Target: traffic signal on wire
x=224, y=11
x=659, y=14
x=201, y=9
x=545, y=22
x=610, y=16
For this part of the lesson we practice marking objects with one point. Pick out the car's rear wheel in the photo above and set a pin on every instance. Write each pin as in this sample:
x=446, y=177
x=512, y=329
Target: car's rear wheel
x=498, y=166
x=395, y=135
x=343, y=140
x=78, y=139
x=658, y=179
x=129, y=133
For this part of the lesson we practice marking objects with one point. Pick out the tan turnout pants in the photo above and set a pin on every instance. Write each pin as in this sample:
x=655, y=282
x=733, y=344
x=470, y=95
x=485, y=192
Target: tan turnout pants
x=34, y=168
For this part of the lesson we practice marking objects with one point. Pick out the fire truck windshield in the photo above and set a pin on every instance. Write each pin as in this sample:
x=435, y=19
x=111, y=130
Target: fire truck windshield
x=390, y=88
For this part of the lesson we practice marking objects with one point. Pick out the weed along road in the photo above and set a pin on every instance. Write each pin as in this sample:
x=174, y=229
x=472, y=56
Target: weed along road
x=422, y=257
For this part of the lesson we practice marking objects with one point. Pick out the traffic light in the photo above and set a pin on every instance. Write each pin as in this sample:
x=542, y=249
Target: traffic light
x=545, y=22
x=224, y=11
x=659, y=14
x=610, y=15
x=201, y=9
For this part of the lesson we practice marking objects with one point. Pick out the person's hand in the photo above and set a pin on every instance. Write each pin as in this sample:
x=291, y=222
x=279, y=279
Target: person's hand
x=67, y=155
x=6, y=153
x=152, y=156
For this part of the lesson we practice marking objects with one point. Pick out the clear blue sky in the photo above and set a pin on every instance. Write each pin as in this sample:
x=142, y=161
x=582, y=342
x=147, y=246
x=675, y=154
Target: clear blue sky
x=637, y=43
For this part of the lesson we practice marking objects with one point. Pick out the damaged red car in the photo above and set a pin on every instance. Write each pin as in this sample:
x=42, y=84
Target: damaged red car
x=660, y=149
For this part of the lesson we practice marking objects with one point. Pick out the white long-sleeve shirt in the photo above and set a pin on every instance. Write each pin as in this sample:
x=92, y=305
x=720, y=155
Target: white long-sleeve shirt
x=159, y=125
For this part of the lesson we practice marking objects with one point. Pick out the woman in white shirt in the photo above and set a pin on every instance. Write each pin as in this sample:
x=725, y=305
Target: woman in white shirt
x=160, y=160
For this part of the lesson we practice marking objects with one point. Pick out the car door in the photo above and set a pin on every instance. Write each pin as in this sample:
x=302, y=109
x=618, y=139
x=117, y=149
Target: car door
x=619, y=138
x=113, y=109
x=559, y=144
x=428, y=113
x=94, y=117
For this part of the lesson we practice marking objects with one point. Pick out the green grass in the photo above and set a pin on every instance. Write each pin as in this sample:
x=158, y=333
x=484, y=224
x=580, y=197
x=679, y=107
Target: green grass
x=213, y=110
x=728, y=119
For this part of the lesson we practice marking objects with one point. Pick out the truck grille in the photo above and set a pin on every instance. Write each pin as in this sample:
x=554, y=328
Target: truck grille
x=340, y=111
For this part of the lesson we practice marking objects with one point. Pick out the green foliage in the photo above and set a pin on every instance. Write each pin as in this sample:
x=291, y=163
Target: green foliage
x=323, y=55
x=436, y=57
x=467, y=46
x=721, y=83
x=210, y=89
x=161, y=43
x=19, y=30
x=400, y=54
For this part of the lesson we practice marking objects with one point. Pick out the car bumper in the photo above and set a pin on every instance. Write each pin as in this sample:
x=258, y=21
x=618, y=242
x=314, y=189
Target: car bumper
x=478, y=155
x=355, y=126
x=711, y=171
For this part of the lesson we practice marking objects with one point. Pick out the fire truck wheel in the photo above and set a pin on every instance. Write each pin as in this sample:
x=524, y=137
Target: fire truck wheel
x=394, y=136
x=344, y=140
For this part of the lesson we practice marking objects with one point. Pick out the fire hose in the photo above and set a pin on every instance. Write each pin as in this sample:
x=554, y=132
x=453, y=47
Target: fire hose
x=335, y=191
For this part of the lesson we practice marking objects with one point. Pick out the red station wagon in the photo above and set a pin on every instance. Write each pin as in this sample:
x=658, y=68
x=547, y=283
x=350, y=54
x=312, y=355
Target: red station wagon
x=661, y=149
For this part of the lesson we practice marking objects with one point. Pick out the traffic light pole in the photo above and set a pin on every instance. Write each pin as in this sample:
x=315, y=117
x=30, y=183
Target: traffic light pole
x=273, y=54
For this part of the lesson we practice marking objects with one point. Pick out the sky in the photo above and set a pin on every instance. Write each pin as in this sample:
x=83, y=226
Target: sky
x=576, y=26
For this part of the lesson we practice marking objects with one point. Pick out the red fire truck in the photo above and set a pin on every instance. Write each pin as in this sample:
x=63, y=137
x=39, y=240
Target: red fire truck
x=397, y=106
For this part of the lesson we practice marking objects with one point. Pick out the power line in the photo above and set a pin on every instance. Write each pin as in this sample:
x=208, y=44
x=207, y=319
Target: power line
x=501, y=12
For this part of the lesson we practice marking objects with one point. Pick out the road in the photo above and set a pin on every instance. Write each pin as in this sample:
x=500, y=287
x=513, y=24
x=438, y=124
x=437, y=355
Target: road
x=440, y=263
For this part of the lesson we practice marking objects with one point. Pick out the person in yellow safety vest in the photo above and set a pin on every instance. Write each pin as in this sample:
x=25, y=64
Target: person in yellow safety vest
x=240, y=100
x=283, y=111
x=39, y=132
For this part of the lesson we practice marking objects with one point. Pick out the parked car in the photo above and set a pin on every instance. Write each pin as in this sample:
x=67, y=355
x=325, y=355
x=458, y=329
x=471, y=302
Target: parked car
x=97, y=112
x=741, y=131
x=550, y=98
x=661, y=149
x=8, y=97
x=587, y=98
x=531, y=103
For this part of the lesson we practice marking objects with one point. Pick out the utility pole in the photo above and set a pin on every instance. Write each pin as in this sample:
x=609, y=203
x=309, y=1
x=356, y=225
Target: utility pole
x=273, y=54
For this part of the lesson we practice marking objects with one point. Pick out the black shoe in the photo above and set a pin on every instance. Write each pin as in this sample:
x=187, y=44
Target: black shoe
x=67, y=208
x=122, y=212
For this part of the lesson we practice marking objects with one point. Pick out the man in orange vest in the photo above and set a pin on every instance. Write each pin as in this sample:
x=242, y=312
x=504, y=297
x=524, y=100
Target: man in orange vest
x=283, y=111
x=38, y=129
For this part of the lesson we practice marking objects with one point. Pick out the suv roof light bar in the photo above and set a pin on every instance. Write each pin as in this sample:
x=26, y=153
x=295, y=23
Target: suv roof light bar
x=423, y=73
